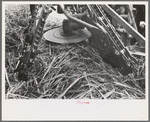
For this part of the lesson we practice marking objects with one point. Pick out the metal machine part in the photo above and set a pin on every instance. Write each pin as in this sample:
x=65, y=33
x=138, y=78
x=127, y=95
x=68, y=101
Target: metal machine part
x=57, y=35
x=33, y=37
x=115, y=37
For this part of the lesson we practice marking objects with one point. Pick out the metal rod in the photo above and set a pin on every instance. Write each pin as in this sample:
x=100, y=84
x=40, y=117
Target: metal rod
x=130, y=9
x=127, y=26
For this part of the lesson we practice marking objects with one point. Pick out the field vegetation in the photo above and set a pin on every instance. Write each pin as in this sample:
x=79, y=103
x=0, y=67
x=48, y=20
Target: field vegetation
x=63, y=71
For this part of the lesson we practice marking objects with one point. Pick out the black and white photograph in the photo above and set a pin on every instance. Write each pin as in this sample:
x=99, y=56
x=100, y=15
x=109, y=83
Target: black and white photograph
x=70, y=51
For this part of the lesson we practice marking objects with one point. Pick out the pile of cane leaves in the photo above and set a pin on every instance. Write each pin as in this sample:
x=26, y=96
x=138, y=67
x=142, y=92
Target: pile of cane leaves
x=64, y=71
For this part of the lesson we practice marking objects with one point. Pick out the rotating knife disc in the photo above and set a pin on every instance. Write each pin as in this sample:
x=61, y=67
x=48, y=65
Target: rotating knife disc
x=56, y=35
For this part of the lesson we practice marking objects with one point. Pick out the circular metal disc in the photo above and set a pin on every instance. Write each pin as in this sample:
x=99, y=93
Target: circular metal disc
x=56, y=35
